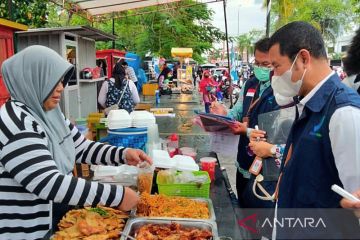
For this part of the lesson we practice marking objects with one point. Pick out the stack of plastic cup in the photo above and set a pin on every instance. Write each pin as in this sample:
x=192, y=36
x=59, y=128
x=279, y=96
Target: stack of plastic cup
x=208, y=164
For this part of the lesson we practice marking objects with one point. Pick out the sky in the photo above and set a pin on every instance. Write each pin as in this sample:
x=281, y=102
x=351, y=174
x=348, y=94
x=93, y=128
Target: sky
x=242, y=16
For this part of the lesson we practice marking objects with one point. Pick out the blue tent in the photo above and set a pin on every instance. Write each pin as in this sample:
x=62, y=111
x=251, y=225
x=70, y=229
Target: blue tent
x=133, y=63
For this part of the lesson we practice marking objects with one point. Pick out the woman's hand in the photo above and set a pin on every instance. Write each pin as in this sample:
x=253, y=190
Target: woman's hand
x=218, y=108
x=261, y=149
x=238, y=128
x=257, y=134
x=130, y=200
x=135, y=156
x=345, y=203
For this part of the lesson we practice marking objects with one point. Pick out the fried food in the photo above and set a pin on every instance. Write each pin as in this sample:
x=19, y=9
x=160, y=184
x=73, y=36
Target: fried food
x=171, y=206
x=100, y=223
x=171, y=232
x=145, y=182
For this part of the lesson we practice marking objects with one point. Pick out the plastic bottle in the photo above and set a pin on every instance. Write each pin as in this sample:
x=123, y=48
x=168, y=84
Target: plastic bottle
x=157, y=97
x=173, y=143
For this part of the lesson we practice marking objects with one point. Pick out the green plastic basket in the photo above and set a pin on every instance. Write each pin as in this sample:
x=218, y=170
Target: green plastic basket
x=186, y=189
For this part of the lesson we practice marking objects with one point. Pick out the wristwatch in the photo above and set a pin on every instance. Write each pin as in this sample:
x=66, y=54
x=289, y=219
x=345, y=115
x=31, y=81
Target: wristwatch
x=273, y=150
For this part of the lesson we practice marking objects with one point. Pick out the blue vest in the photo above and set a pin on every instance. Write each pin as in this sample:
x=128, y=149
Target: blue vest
x=311, y=170
x=265, y=104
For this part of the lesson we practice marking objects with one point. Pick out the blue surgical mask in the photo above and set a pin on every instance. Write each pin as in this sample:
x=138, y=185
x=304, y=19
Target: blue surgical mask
x=262, y=73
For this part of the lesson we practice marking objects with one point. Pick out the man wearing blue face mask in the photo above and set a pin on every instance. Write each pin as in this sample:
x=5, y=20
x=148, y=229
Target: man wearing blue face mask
x=255, y=98
x=322, y=148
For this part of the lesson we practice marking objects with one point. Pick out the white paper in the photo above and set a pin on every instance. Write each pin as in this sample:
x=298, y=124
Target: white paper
x=224, y=143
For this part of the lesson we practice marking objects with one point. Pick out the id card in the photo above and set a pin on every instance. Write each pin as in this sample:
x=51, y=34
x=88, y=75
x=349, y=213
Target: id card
x=256, y=166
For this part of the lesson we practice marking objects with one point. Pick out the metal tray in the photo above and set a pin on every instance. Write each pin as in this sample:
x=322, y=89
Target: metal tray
x=207, y=200
x=133, y=224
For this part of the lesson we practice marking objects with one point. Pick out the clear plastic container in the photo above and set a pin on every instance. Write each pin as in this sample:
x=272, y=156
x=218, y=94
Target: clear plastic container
x=145, y=179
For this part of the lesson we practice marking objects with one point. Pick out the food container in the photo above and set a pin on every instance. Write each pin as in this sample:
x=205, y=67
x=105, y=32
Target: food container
x=145, y=179
x=134, y=224
x=185, y=163
x=162, y=159
x=212, y=216
x=186, y=189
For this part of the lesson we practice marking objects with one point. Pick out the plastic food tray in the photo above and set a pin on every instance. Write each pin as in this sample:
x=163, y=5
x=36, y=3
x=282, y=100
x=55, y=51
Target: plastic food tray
x=207, y=200
x=186, y=189
x=134, y=224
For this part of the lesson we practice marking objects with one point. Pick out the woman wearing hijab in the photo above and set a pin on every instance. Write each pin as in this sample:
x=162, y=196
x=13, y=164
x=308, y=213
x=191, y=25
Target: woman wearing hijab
x=208, y=88
x=39, y=147
x=112, y=90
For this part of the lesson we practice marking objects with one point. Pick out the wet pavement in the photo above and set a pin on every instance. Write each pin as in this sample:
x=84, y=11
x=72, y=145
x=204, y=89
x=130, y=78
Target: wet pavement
x=190, y=135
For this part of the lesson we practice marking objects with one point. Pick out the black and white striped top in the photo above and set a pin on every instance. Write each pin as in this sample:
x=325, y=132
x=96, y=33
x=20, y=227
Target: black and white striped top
x=30, y=180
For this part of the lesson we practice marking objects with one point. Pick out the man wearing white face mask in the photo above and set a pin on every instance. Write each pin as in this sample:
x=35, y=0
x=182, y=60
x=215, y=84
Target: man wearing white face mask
x=322, y=148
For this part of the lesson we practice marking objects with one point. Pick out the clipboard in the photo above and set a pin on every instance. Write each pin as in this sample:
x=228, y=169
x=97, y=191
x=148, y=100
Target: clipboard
x=216, y=123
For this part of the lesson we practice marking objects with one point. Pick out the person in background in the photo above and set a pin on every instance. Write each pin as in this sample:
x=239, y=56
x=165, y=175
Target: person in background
x=112, y=89
x=39, y=147
x=352, y=63
x=174, y=74
x=208, y=89
x=256, y=97
x=352, y=69
x=130, y=72
x=164, y=74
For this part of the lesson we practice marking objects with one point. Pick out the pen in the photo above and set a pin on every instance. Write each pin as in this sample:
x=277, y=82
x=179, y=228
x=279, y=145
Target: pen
x=345, y=194
x=257, y=128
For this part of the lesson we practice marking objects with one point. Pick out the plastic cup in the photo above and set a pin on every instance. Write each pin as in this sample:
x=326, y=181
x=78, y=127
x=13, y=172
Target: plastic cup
x=145, y=179
x=208, y=164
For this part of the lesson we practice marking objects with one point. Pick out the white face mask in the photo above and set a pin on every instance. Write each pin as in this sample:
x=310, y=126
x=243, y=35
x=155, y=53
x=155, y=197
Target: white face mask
x=282, y=100
x=283, y=84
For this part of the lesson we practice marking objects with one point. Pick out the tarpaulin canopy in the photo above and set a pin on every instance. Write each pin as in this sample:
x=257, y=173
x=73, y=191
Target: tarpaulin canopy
x=99, y=7
x=181, y=52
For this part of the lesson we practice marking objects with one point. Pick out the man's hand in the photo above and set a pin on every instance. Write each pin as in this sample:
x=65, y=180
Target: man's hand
x=129, y=201
x=218, y=108
x=238, y=128
x=257, y=134
x=345, y=203
x=261, y=149
x=135, y=156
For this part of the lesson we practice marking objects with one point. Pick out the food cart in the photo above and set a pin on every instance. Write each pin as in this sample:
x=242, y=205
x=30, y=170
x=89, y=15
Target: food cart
x=7, y=29
x=107, y=58
x=184, y=72
x=77, y=45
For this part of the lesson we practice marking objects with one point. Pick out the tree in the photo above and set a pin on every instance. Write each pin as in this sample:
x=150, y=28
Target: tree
x=246, y=41
x=331, y=17
x=153, y=30
x=30, y=12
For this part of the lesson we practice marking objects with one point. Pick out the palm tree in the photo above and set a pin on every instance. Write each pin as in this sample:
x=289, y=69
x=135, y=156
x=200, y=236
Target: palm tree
x=244, y=44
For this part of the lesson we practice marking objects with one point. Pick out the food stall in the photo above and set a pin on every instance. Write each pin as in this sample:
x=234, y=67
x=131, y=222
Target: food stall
x=184, y=72
x=108, y=58
x=7, y=29
x=77, y=45
x=175, y=193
